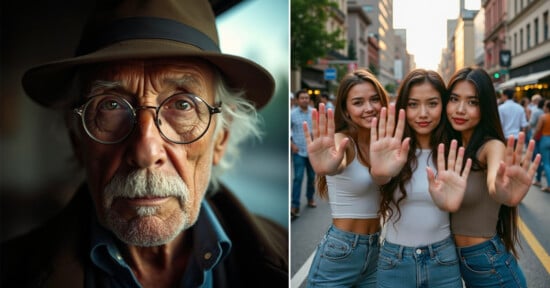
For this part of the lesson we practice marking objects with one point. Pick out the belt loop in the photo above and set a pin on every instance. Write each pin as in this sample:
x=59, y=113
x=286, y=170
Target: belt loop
x=401, y=248
x=356, y=240
x=431, y=249
x=495, y=241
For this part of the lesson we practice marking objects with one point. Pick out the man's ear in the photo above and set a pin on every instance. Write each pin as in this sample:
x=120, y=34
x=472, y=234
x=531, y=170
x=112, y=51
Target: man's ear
x=77, y=145
x=220, y=143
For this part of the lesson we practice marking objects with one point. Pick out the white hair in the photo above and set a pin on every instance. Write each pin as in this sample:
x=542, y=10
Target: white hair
x=239, y=116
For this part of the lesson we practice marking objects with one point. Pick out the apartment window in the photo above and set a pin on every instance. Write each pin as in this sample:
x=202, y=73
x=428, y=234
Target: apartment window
x=520, y=40
x=545, y=25
x=536, y=24
x=515, y=7
x=528, y=32
x=515, y=43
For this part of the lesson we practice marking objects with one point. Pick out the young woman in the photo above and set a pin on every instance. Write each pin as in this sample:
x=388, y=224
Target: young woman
x=543, y=127
x=339, y=153
x=418, y=250
x=485, y=227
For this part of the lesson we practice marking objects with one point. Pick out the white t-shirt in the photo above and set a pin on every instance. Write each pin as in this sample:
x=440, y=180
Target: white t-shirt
x=422, y=222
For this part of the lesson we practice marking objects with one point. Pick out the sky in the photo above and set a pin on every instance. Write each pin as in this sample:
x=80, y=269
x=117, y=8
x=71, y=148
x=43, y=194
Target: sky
x=426, y=25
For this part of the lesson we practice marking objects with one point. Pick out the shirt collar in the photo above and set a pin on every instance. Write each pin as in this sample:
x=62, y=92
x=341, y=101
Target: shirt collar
x=210, y=246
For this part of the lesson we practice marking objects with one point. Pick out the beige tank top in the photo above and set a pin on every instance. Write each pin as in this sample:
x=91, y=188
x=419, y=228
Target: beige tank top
x=478, y=214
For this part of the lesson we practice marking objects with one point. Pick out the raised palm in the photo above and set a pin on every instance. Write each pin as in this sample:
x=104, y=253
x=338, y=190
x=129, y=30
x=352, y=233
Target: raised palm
x=516, y=172
x=388, y=154
x=448, y=187
x=325, y=157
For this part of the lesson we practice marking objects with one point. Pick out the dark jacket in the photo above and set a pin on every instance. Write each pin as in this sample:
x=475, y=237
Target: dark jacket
x=55, y=254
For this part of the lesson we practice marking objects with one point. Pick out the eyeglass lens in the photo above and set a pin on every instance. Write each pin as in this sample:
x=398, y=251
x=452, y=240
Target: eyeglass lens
x=181, y=118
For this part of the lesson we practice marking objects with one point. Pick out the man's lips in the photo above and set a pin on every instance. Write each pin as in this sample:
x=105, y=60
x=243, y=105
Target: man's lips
x=145, y=201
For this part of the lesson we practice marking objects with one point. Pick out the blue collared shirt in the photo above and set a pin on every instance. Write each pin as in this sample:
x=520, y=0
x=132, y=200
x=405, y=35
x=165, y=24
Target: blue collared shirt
x=297, y=117
x=210, y=246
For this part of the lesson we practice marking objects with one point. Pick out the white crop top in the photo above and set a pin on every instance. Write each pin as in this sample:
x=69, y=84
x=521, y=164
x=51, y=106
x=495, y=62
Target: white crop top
x=422, y=222
x=352, y=193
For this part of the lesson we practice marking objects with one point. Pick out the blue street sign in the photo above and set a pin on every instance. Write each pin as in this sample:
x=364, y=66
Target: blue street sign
x=330, y=74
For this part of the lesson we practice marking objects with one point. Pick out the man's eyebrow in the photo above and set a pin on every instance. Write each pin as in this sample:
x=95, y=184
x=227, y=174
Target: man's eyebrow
x=105, y=85
x=185, y=81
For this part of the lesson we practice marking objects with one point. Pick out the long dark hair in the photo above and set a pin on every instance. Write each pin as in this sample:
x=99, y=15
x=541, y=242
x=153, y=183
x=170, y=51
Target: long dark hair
x=343, y=123
x=488, y=128
x=414, y=78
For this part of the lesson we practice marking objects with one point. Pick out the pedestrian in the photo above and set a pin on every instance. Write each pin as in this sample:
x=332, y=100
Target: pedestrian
x=543, y=128
x=538, y=110
x=526, y=104
x=143, y=101
x=339, y=152
x=300, y=159
x=325, y=99
x=485, y=225
x=418, y=250
x=512, y=115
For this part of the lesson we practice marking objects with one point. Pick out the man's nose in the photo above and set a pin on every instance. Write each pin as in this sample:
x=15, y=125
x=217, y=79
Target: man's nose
x=146, y=147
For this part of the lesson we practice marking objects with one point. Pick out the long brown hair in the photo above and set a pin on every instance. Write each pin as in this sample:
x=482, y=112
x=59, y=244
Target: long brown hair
x=414, y=78
x=488, y=128
x=343, y=124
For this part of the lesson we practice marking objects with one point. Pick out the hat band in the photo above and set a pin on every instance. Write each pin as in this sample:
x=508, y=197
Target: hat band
x=147, y=28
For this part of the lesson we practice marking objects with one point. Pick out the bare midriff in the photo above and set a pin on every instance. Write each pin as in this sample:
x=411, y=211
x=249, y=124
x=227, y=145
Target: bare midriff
x=358, y=226
x=464, y=241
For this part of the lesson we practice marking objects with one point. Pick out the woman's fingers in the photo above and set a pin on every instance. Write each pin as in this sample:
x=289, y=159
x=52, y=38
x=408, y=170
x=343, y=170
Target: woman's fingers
x=452, y=155
x=382, y=123
x=322, y=120
x=400, y=129
x=306, y=133
x=315, y=124
x=373, y=130
x=509, y=156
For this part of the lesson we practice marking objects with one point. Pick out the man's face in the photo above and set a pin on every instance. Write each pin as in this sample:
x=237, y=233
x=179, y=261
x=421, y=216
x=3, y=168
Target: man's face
x=145, y=189
x=303, y=100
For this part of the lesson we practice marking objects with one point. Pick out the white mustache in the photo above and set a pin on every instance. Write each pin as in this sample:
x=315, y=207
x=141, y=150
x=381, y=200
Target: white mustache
x=145, y=183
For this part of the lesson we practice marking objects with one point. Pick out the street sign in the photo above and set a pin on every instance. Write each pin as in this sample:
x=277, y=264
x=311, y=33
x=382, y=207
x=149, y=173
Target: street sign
x=330, y=74
x=505, y=58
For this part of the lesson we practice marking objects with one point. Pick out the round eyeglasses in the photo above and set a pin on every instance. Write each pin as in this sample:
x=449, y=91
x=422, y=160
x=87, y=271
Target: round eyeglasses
x=181, y=118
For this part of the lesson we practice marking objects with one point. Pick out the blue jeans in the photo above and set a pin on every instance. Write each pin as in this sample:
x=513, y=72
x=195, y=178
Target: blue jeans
x=300, y=164
x=435, y=265
x=488, y=264
x=544, y=150
x=538, y=176
x=344, y=259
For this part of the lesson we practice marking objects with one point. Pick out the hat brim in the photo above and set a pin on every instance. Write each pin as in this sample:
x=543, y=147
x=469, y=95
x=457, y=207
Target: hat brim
x=45, y=83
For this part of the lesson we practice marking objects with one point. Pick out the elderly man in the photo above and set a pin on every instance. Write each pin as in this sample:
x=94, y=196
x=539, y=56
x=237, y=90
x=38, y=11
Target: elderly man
x=152, y=107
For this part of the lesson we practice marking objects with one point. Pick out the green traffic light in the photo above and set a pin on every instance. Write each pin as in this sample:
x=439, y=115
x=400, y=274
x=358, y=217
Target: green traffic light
x=496, y=75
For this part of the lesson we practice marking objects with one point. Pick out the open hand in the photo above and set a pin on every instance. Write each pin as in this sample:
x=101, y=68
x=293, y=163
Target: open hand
x=324, y=156
x=448, y=188
x=388, y=154
x=515, y=174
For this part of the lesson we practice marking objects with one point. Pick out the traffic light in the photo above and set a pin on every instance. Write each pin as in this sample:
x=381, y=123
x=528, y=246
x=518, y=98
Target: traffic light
x=496, y=75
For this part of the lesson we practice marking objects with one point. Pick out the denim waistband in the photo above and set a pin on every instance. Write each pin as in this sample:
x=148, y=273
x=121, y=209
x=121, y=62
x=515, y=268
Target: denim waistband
x=494, y=244
x=353, y=238
x=428, y=249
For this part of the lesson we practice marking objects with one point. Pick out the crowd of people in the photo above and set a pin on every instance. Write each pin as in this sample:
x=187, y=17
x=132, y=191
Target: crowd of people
x=453, y=162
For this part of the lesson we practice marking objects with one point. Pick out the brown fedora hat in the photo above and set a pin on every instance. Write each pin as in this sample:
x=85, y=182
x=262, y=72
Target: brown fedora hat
x=129, y=29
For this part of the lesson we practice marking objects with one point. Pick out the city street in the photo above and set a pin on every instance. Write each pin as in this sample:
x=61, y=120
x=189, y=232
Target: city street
x=308, y=229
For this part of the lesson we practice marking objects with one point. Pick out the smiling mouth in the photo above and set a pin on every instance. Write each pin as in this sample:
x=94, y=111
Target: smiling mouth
x=459, y=121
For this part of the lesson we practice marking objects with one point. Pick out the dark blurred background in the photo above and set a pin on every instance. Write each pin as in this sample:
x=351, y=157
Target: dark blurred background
x=37, y=172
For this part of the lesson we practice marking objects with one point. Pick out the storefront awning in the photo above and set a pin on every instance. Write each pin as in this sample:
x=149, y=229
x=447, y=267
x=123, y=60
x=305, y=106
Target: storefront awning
x=532, y=78
x=313, y=84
